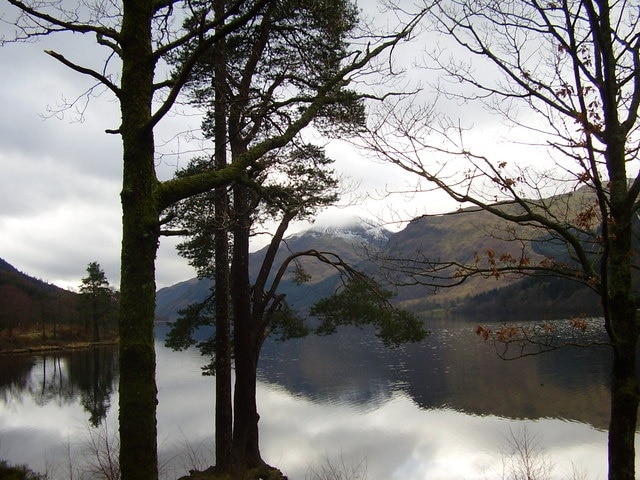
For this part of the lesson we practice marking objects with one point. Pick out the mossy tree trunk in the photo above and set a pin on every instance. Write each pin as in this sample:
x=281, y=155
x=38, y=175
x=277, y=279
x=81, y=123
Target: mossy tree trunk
x=140, y=233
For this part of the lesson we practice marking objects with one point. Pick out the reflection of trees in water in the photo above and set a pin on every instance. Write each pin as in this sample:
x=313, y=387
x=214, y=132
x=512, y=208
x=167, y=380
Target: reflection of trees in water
x=50, y=383
x=14, y=376
x=350, y=367
x=98, y=380
x=90, y=375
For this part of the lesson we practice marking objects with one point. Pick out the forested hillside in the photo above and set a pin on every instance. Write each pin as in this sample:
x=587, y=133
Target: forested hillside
x=26, y=302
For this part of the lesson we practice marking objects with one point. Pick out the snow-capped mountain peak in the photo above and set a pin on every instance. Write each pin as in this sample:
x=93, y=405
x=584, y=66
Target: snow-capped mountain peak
x=353, y=229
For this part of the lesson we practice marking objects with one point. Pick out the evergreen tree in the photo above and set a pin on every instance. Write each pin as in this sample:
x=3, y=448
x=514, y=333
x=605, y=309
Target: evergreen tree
x=97, y=298
x=274, y=66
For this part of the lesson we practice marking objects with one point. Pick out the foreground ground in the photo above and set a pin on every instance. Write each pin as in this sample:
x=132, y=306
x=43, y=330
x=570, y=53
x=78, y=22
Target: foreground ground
x=265, y=473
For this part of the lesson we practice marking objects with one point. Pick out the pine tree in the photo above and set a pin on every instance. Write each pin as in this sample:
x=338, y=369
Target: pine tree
x=97, y=296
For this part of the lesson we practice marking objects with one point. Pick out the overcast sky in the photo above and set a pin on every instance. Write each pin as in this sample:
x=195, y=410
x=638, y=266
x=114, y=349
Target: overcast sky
x=61, y=173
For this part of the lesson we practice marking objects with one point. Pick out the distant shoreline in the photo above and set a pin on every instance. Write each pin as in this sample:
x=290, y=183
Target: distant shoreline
x=61, y=347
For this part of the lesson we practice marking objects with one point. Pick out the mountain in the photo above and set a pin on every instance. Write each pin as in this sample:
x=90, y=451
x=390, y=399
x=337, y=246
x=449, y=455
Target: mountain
x=447, y=237
x=460, y=236
x=538, y=297
x=170, y=300
x=349, y=239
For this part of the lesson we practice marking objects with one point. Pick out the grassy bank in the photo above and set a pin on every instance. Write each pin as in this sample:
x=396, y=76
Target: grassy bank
x=47, y=340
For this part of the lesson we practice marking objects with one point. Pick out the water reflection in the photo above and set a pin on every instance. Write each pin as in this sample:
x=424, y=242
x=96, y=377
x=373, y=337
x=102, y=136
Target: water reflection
x=440, y=409
x=88, y=377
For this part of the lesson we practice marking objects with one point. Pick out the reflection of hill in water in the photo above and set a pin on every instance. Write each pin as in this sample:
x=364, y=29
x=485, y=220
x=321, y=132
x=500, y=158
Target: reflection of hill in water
x=350, y=367
x=452, y=368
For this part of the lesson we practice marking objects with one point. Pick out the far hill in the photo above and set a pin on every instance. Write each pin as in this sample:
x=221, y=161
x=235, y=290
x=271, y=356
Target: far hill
x=470, y=233
x=38, y=316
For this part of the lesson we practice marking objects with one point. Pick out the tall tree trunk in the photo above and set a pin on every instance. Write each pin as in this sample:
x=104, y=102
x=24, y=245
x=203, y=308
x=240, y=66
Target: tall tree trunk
x=246, y=450
x=140, y=233
x=224, y=409
x=620, y=316
x=96, y=320
x=624, y=414
x=623, y=332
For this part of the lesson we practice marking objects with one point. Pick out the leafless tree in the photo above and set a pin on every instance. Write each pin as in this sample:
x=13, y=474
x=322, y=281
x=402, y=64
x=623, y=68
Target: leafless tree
x=564, y=78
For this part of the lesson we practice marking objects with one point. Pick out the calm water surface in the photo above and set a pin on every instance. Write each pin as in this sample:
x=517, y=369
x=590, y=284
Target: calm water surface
x=442, y=409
